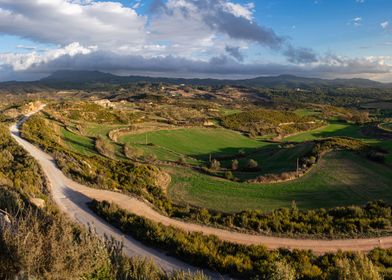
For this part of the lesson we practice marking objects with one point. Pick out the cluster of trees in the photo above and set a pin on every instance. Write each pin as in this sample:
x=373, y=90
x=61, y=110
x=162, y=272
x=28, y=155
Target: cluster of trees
x=214, y=166
x=343, y=143
x=342, y=97
x=265, y=122
x=246, y=262
x=344, y=114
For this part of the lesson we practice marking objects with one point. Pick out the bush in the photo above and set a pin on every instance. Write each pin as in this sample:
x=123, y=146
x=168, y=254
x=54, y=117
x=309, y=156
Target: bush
x=252, y=164
x=229, y=175
x=104, y=147
x=234, y=165
x=215, y=165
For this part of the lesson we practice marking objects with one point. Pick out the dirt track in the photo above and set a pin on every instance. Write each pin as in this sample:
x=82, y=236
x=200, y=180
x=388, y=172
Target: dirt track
x=64, y=189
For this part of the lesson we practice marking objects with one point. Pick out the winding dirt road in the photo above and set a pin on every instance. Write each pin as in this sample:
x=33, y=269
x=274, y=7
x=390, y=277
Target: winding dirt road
x=72, y=197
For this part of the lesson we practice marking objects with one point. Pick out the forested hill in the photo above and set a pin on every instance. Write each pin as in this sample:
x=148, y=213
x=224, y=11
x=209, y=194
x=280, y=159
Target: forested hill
x=283, y=81
x=80, y=79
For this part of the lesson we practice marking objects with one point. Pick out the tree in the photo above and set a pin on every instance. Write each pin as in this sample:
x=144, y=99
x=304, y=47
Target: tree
x=182, y=160
x=215, y=164
x=358, y=268
x=234, y=165
x=252, y=164
x=151, y=158
x=229, y=175
x=282, y=271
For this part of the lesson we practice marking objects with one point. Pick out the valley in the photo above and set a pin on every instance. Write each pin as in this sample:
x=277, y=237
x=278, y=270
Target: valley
x=223, y=172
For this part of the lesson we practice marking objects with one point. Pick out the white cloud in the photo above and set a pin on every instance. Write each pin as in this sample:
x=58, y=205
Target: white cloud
x=181, y=37
x=384, y=24
x=357, y=21
x=77, y=57
x=239, y=10
x=106, y=24
x=23, y=62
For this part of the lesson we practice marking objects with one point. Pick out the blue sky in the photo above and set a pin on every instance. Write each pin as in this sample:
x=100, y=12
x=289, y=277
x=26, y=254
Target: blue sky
x=222, y=38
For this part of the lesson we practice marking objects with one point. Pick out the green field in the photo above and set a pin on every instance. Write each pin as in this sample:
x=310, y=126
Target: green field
x=194, y=142
x=94, y=129
x=333, y=129
x=306, y=112
x=271, y=159
x=339, y=179
x=78, y=143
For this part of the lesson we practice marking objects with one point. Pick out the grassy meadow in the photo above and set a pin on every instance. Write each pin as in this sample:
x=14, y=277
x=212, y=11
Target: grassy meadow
x=78, y=143
x=340, y=178
x=198, y=143
x=333, y=129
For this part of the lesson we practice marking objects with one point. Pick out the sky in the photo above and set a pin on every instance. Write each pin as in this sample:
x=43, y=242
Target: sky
x=197, y=38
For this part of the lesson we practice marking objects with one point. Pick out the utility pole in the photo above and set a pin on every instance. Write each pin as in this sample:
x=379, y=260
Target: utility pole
x=297, y=167
x=210, y=158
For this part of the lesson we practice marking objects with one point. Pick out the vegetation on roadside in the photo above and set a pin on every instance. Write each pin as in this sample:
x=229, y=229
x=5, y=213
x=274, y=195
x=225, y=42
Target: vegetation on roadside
x=40, y=243
x=246, y=262
x=373, y=219
x=17, y=169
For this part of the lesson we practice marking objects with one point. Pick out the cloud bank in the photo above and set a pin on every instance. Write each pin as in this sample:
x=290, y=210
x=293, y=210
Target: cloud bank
x=200, y=38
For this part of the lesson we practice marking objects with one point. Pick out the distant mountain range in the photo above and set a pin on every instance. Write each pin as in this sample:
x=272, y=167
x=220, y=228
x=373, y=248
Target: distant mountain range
x=287, y=81
x=78, y=79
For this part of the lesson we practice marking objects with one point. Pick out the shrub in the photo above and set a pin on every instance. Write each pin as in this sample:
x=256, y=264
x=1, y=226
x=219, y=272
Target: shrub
x=234, y=165
x=252, y=165
x=215, y=165
x=229, y=175
x=104, y=147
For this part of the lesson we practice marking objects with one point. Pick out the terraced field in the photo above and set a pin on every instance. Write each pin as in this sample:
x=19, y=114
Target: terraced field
x=193, y=142
x=340, y=178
